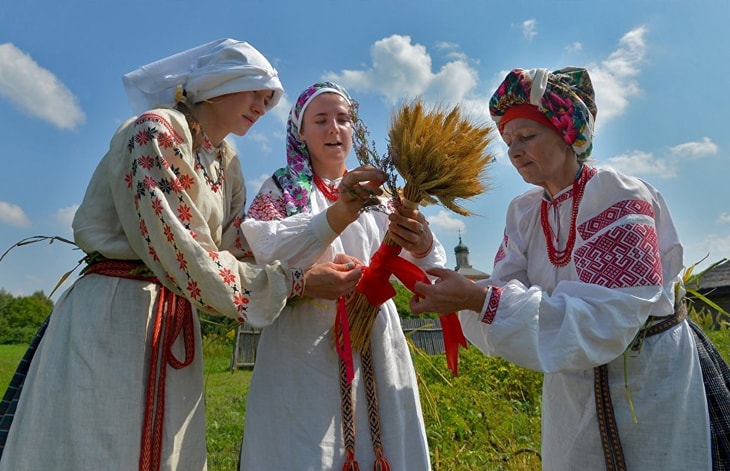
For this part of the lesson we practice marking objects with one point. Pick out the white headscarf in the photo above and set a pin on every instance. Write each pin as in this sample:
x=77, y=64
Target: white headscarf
x=213, y=69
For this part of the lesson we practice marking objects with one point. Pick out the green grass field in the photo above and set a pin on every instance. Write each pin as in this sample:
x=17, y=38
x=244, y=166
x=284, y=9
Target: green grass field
x=486, y=418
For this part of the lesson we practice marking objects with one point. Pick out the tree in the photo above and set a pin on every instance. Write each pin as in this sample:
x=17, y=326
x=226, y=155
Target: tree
x=20, y=317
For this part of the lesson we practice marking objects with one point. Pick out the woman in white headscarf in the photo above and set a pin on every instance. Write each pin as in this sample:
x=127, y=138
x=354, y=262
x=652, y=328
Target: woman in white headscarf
x=116, y=382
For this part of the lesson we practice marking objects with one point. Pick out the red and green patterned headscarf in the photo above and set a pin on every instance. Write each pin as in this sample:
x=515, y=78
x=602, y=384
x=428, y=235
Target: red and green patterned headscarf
x=295, y=180
x=565, y=97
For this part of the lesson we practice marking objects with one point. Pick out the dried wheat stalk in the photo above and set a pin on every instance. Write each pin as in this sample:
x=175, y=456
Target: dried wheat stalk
x=441, y=156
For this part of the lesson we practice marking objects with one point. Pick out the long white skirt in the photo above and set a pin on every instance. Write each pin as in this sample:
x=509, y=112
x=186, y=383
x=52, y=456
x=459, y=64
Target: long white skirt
x=83, y=402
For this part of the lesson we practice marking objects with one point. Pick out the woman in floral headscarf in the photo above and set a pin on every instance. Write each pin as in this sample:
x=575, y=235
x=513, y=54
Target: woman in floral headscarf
x=586, y=288
x=302, y=411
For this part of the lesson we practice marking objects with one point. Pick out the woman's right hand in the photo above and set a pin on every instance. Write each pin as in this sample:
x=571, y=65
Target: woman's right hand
x=330, y=280
x=450, y=293
x=356, y=188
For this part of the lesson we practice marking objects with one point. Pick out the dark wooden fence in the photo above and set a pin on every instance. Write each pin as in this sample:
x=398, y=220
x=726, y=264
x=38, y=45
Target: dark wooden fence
x=425, y=334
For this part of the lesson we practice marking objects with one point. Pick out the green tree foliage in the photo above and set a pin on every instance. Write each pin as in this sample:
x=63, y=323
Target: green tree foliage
x=20, y=317
x=402, y=301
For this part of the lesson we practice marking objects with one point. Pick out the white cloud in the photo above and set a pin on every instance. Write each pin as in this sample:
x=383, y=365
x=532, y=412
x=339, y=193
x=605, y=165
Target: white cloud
x=614, y=78
x=253, y=185
x=723, y=218
x=13, y=215
x=694, y=150
x=529, y=29
x=281, y=110
x=574, y=47
x=261, y=139
x=65, y=216
x=451, y=50
x=641, y=163
x=36, y=91
x=644, y=163
x=716, y=245
x=444, y=221
x=401, y=70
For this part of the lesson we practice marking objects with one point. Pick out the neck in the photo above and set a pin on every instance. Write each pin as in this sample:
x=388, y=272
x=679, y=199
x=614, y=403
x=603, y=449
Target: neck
x=209, y=123
x=330, y=172
x=565, y=179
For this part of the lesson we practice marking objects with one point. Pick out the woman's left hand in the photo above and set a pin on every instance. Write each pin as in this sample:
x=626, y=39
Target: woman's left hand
x=409, y=229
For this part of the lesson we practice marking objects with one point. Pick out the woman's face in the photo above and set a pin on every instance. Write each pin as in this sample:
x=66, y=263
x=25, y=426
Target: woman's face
x=237, y=112
x=540, y=155
x=327, y=131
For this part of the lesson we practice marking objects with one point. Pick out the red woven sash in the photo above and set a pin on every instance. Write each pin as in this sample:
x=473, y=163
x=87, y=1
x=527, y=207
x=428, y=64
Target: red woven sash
x=173, y=316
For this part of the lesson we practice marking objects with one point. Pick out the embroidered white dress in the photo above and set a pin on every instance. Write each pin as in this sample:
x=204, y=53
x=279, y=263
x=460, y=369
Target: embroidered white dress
x=293, y=411
x=565, y=321
x=83, y=402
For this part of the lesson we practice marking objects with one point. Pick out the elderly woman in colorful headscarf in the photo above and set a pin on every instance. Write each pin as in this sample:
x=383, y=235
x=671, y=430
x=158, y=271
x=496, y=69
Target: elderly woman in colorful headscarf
x=117, y=382
x=302, y=413
x=586, y=289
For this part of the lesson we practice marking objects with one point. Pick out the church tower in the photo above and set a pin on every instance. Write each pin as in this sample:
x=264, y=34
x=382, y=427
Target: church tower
x=463, y=267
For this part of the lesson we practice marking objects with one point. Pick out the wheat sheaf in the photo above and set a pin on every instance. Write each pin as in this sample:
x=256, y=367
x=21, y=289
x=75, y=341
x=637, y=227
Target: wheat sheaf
x=442, y=157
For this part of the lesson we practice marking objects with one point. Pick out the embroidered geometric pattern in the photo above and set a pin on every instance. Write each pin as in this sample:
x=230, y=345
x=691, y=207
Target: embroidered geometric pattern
x=265, y=207
x=501, y=252
x=491, y=312
x=621, y=209
x=622, y=257
x=297, y=283
x=157, y=182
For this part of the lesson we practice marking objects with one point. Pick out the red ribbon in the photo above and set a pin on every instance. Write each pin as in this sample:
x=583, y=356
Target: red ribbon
x=342, y=329
x=375, y=285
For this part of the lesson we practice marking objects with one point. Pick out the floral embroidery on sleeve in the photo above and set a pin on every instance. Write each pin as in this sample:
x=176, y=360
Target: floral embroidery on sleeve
x=161, y=178
x=266, y=207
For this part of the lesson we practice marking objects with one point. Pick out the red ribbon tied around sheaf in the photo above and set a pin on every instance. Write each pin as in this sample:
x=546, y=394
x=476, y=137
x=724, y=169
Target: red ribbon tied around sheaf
x=375, y=285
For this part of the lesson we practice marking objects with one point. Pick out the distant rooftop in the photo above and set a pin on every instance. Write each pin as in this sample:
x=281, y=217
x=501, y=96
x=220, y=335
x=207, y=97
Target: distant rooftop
x=717, y=277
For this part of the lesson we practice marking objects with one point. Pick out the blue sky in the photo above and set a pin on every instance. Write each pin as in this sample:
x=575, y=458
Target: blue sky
x=660, y=69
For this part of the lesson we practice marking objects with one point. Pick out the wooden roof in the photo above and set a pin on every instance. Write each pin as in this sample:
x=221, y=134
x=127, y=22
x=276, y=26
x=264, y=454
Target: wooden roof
x=717, y=277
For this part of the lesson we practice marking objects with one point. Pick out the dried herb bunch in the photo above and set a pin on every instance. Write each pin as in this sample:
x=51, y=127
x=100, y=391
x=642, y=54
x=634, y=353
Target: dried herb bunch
x=442, y=157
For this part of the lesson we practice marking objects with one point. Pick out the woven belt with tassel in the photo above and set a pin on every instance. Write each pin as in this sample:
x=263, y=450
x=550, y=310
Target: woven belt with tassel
x=347, y=396
x=612, y=449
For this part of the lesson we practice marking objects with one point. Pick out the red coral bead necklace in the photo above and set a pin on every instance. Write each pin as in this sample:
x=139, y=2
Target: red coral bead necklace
x=328, y=190
x=560, y=258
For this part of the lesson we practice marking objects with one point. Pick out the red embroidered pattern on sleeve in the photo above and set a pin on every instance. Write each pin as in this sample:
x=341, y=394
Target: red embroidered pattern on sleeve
x=297, y=283
x=501, y=253
x=622, y=256
x=147, y=189
x=612, y=214
x=494, y=295
x=265, y=207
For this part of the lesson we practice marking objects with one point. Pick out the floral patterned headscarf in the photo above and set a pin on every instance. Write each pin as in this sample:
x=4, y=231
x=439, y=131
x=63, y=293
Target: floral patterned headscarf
x=295, y=180
x=565, y=97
